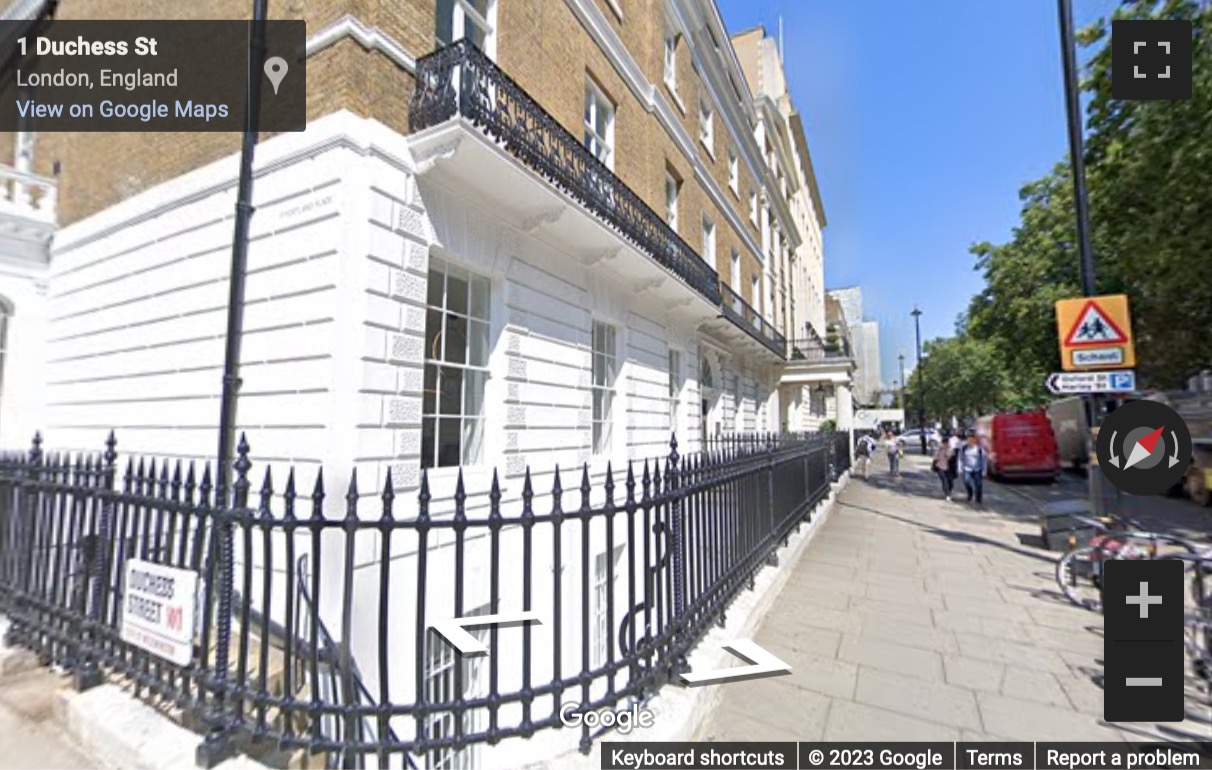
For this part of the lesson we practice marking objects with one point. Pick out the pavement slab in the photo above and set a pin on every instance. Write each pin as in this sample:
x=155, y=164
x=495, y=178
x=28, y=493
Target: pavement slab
x=910, y=618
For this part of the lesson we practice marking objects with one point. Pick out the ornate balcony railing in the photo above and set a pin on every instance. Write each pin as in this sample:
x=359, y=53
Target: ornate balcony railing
x=28, y=195
x=745, y=316
x=813, y=349
x=460, y=80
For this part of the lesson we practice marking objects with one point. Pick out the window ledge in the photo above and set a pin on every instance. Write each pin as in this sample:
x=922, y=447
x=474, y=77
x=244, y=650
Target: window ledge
x=672, y=88
x=710, y=150
x=616, y=8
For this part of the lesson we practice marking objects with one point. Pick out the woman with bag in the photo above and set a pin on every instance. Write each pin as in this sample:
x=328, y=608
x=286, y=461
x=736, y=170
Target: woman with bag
x=944, y=466
x=892, y=447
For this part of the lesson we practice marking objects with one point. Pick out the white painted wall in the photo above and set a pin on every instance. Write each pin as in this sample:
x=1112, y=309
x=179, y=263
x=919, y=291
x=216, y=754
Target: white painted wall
x=23, y=288
x=332, y=363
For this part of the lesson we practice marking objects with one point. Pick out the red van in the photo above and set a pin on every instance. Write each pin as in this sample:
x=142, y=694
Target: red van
x=1020, y=445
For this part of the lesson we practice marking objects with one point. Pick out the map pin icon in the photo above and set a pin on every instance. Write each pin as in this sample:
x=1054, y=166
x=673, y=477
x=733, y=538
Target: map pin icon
x=275, y=70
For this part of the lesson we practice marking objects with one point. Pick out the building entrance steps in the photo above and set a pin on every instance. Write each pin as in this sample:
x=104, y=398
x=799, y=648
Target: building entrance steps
x=911, y=618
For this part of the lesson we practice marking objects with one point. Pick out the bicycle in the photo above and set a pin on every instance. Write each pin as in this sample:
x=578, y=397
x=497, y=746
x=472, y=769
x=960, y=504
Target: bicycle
x=1079, y=570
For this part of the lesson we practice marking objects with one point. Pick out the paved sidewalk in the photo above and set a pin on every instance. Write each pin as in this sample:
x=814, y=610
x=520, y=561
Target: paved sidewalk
x=29, y=734
x=910, y=618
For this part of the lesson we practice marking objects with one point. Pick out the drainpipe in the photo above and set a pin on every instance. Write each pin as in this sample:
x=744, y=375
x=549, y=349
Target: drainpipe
x=239, y=252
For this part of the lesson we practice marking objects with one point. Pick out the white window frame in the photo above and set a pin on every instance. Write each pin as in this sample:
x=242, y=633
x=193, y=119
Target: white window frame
x=595, y=100
x=753, y=208
x=439, y=679
x=604, y=375
x=437, y=366
x=602, y=622
x=462, y=11
x=675, y=388
x=673, y=193
x=708, y=241
x=755, y=291
x=734, y=173
x=735, y=280
x=671, y=60
x=707, y=125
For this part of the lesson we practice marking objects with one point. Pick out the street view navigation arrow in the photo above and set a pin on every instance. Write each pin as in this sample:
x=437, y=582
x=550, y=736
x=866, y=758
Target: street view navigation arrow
x=1144, y=447
x=453, y=630
x=764, y=664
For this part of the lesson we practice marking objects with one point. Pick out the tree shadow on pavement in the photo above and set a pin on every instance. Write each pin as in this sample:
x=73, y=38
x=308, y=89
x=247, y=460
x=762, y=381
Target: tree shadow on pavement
x=953, y=535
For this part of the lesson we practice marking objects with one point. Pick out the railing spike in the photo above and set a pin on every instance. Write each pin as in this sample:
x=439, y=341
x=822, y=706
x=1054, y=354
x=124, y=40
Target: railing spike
x=460, y=497
x=423, y=496
x=289, y=495
x=317, y=496
x=586, y=489
x=204, y=488
x=111, y=449
x=494, y=497
x=527, y=496
x=351, y=496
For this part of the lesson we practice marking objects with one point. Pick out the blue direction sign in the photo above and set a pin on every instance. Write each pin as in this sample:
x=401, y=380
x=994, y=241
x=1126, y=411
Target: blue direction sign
x=1123, y=381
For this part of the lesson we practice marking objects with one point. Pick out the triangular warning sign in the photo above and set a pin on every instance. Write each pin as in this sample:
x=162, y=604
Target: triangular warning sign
x=1095, y=327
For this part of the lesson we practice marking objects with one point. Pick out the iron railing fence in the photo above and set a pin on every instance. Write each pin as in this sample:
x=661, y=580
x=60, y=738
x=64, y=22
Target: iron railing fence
x=459, y=80
x=813, y=349
x=315, y=628
x=744, y=315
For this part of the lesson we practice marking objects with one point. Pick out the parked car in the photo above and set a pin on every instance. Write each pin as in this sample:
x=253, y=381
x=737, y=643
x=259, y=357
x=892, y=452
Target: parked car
x=913, y=437
x=1019, y=445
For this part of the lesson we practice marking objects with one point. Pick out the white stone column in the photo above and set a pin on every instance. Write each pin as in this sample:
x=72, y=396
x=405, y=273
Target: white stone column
x=844, y=402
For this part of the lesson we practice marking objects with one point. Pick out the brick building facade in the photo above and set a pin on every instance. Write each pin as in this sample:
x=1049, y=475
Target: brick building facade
x=421, y=295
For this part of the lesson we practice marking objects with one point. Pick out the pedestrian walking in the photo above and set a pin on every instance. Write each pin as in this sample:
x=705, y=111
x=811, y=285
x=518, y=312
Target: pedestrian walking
x=863, y=450
x=892, y=448
x=944, y=466
x=971, y=463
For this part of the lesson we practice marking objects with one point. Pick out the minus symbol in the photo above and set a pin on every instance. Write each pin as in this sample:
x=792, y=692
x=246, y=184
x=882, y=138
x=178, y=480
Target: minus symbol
x=1143, y=681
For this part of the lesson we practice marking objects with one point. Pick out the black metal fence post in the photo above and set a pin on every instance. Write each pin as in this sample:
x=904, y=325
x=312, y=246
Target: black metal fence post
x=698, y=529
x=88, y=673
x=772, y=556
x=219, y=744
x=25, y=518
x=678, y=564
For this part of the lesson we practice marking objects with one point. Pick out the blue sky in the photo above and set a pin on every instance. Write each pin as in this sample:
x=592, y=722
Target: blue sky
x=924, y=118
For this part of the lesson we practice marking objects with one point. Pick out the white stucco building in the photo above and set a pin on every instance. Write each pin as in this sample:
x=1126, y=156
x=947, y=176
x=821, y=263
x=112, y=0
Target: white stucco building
x=865, y=338
x=447, y=298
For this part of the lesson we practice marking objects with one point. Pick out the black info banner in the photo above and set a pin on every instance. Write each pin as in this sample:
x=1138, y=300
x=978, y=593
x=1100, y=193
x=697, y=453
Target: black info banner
x=138, y=75
x=926, y=755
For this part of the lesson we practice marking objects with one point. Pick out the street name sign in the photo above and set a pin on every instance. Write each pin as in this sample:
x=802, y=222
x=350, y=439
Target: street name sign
x=1062, y=383
x=159, y=610
x=1095, y=333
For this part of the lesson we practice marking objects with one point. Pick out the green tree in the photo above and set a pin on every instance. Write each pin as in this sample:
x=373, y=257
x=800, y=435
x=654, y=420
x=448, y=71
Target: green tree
x=960, y=377
x=1150, y=178
x=1149, y=173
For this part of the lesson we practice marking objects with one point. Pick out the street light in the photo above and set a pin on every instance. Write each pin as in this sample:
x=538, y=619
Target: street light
x=921, y=393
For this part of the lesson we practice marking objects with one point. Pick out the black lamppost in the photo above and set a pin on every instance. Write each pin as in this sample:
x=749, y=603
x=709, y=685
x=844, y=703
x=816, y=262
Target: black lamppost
x=921, y=393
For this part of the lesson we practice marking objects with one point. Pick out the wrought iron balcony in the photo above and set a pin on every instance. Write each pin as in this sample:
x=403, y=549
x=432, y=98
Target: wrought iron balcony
x=743, y=315
x=459, y=80
x=813, y=349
